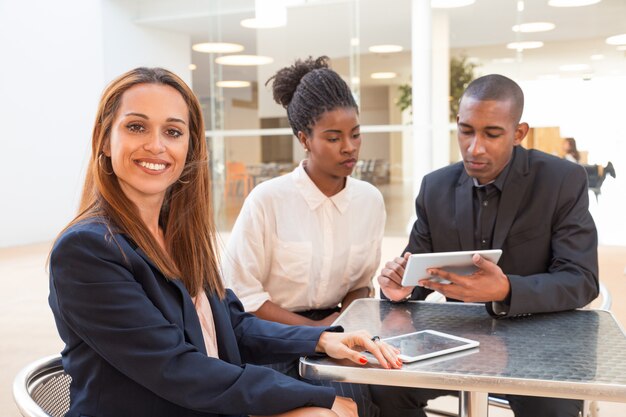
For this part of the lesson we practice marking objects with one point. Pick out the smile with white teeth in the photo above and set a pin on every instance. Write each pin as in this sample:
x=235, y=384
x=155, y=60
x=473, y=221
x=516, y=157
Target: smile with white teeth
x=151, y=166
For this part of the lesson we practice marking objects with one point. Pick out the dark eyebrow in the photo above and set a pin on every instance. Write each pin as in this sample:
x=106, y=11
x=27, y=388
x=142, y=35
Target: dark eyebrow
x=143, y=116
x=465, y=125
x=339, y=131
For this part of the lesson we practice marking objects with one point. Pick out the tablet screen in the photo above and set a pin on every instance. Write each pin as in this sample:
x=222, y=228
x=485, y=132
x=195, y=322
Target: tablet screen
x=427, y=344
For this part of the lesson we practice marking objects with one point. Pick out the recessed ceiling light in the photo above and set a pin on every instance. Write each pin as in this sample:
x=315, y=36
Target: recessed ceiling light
x=217, y=47
x=534, y=27
x=383, y=75
x=355, y=80
x=520, y=46
x=572, y=3
x=244, y=60
x=574, y=67
x=355, y=41
x=503, y=60
x=597, y=57
x=450, y=4
x=617, y=39
x=193, y=66
x=385, y=49
x=232, y=84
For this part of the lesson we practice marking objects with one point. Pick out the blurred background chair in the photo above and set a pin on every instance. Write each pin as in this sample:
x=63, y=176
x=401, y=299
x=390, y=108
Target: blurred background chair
x=238, y=181
x=42, y=388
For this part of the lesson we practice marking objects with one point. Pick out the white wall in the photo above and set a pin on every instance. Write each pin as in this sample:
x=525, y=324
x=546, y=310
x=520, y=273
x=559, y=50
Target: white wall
x=55, y=58
x=51, y=71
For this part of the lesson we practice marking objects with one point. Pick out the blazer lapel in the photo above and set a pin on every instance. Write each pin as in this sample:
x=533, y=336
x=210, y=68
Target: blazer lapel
x=191, y=322
x=464, y=211
x=513, y=192
x=226, y=343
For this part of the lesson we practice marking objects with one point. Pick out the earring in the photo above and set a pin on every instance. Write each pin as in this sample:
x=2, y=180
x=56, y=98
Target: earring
x=183, y=182
x=100, y=164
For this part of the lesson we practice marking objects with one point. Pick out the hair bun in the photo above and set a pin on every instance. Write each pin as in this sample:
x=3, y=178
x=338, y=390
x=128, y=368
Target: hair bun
x=287, y=79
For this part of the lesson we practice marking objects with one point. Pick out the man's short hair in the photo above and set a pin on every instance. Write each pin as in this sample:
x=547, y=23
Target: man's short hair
x=499, y=88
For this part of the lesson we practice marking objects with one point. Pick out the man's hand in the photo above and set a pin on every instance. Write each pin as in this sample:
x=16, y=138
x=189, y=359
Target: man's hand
x=390, y=279
x=487, y=284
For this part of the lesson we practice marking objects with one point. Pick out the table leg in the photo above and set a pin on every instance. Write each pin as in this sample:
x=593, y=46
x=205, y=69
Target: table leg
x=473, y=404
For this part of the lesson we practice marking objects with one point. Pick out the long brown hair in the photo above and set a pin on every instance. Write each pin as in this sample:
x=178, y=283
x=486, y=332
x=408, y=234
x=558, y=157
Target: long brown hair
x=187, y=214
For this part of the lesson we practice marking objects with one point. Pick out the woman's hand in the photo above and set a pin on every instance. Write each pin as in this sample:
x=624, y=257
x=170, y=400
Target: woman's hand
x=350, y=345
x=345, y=407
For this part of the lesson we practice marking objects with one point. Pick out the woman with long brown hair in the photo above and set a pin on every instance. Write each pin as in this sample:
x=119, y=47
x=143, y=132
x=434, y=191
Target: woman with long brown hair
x=135, y=286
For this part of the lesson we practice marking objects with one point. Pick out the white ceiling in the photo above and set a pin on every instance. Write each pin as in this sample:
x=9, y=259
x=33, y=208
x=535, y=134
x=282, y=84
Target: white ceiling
x=480, y=31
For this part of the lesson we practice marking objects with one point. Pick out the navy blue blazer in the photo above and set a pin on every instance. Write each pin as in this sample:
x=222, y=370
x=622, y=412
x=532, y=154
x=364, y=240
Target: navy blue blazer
x=543, y=226
x=134, y=345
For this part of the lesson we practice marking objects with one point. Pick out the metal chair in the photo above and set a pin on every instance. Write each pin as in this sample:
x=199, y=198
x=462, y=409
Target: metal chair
x=42, y=388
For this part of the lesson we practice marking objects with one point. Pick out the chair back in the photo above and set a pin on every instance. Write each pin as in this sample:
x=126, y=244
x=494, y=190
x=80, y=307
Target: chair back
x=42, y=388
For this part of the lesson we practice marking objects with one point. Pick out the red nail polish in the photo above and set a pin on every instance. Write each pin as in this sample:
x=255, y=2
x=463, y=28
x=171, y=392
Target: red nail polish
x=363, y=360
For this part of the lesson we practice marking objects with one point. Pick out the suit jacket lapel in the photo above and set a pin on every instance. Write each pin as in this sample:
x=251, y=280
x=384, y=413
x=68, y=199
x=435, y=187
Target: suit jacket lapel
x=191, y=322
x=464, y=215
x=226, y=342
x=513, y=192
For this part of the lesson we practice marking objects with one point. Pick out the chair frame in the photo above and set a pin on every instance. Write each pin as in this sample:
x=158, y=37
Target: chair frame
x=29, y=378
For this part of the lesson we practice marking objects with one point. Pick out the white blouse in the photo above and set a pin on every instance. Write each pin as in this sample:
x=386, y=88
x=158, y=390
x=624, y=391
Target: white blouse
x=295, y=246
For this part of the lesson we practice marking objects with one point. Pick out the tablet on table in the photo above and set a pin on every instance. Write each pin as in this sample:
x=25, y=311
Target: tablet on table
x=428, y=344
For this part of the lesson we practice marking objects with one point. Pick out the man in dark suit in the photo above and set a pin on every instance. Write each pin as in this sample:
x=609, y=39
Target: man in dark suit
x=530, y=204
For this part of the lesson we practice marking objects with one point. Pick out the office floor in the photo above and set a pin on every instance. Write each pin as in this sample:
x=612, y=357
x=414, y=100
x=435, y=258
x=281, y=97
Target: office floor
x=27, y=328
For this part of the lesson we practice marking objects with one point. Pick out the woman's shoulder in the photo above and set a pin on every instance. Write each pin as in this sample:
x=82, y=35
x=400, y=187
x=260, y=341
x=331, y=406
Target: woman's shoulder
x=87, y=233
x=272, y=188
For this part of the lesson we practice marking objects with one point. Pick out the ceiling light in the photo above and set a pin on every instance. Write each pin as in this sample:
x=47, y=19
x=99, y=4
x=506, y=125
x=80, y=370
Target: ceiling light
x=385, y=49
x=520, y=6
x=520, y=46
x=193, y=66
x=355, y=80
x=233, y=84
x=267, y=15
x=621, y=48
x=617, y=39
x=217, y=47
x=503, y=60
x=244, y=60
x=572, y=3
x=383, y=75
x=534, y=27
x=597, y=57
x=450, y=4
x=574, y=67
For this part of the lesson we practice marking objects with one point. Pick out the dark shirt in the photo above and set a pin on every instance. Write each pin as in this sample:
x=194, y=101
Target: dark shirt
x=486, y=201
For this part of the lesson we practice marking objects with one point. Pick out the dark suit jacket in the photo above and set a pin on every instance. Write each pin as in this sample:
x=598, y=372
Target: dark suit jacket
x=543, y=226
x=134, y=344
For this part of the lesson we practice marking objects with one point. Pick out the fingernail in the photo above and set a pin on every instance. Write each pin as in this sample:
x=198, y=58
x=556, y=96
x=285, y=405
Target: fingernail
x=363, y=360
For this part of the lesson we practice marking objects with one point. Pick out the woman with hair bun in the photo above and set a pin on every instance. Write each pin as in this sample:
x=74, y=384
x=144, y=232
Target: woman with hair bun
x=307, y=244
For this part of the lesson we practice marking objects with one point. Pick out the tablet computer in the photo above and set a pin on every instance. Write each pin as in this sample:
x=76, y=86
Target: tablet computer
x=456, y=262
x=428, y=344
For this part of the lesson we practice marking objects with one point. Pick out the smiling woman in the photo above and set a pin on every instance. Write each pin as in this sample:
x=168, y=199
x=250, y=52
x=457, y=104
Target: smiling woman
x=149, y=143
x=135, y=285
